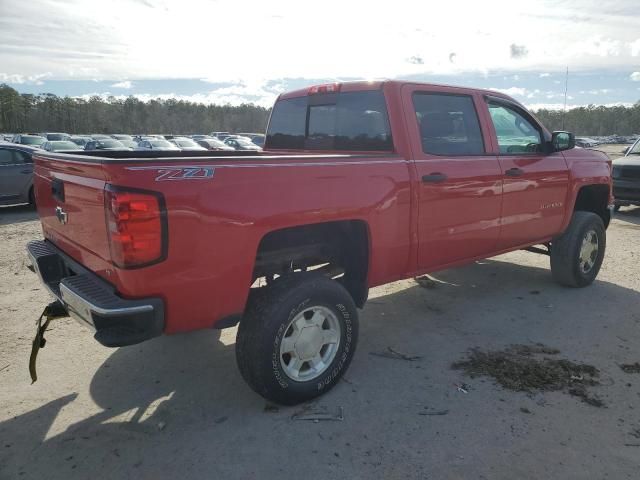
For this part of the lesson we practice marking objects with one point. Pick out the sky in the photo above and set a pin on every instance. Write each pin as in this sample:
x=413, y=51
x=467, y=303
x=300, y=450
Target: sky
x=220, y=51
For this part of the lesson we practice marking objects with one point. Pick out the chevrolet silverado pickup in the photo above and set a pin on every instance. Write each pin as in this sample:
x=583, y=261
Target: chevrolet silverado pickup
x=359, y=184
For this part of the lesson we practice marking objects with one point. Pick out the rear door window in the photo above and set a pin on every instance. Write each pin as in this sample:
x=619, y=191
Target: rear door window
x=448, y=124
x=336, y=121
x=6, y=157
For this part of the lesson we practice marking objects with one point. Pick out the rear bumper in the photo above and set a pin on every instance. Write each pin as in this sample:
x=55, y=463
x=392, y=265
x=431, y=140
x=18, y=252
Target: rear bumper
x=626, y=192
x=93, y=302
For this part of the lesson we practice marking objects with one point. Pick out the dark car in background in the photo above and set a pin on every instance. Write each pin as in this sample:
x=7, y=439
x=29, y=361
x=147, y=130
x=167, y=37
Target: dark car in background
x=28, y=139
x=626, y=177
x=60, y=146
x=56, y=136
x=105, y=144
x=257, y=138
x=242, y=143
x=213, y=144
x=16, y=174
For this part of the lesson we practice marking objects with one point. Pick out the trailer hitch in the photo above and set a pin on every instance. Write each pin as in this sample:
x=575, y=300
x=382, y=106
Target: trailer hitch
x=51, y=312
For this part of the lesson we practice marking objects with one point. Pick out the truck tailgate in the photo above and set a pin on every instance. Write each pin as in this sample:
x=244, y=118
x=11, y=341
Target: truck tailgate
x=70, y=200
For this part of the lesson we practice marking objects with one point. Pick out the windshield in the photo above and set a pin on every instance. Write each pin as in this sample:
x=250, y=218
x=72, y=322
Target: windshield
x=57, y=136
x=62, y=145
x=186, y=143
x=110, y=144
x=161, y=143
x=27, y=140
x=244, y=142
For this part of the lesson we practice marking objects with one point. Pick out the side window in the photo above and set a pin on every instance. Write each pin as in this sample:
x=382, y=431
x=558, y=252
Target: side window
x=22, y=157
x=6, y=157
x=516, y=134
x=448, y=124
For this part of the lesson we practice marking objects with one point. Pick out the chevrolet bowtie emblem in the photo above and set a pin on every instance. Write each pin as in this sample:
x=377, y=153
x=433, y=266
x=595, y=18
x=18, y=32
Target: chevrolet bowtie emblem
x=61, y=215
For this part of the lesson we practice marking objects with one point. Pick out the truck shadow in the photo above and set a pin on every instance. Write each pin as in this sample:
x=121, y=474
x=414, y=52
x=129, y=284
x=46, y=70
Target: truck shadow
x=629, y=215
x=184, y=392
x=17, y=214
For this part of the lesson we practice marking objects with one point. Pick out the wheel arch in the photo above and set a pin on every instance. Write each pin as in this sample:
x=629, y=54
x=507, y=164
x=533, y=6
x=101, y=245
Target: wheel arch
x=343, y=245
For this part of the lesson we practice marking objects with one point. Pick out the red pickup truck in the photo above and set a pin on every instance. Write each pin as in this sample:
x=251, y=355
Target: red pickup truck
x=359, y=184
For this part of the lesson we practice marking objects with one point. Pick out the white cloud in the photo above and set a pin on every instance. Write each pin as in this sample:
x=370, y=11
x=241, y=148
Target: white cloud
x=511, y=91
x=126, y=84
x=116, y=44
x=544, y=75
x=635, y=76
x=36, y=79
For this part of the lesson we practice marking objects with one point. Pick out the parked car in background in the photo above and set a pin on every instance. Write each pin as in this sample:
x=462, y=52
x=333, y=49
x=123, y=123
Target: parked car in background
x=201, y=137
x=186, y=144
x=16, y=174
x=214, y=144
x=586, y=142
x=129, y=143
x=220, y=135
x=105, y=144
x=60, y=146
x=242, y=143
x=56, y=136
x=257, y=138
x=156, y=144
x=99, y=136
x=7, y=137
x=28, y=139
x=121, y=136
x=81, y=140
x=626, y=177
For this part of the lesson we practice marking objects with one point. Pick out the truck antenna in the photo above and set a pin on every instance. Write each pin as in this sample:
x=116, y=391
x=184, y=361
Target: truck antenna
x=566, y=83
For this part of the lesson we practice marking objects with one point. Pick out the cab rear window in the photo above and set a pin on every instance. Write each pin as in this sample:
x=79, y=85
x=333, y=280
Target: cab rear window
x=334, y=121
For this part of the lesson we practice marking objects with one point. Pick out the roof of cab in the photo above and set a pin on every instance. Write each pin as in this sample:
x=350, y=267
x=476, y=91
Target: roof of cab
x=360, y=85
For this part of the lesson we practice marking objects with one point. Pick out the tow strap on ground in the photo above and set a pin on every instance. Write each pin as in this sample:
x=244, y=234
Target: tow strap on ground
x=51, y=312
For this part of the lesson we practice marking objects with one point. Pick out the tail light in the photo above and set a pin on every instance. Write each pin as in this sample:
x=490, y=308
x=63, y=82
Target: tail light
x=136, y=226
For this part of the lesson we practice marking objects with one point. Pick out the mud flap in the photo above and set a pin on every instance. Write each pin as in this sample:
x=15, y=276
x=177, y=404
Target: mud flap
x=51, y=312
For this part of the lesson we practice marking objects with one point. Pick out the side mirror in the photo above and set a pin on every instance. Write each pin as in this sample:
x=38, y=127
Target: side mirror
x=562, y=141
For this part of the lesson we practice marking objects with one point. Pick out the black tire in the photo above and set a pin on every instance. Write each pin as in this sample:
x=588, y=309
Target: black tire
x=265, y=323
x=566, y=266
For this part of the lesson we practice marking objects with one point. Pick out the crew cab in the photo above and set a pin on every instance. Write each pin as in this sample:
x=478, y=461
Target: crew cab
x=359, y=184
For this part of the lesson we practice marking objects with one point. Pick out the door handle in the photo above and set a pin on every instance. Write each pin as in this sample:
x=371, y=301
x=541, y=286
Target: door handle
x=514, y=172
x=435, y=177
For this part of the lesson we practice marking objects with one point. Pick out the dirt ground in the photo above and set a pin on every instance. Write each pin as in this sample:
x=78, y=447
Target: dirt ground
x=176, y=407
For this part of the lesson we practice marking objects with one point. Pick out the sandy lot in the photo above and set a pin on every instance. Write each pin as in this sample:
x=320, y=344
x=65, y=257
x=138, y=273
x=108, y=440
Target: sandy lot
x=176, y=407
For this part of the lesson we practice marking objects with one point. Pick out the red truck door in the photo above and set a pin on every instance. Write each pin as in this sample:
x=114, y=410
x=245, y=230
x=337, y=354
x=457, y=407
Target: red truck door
x=535, y=182
x=459, y=183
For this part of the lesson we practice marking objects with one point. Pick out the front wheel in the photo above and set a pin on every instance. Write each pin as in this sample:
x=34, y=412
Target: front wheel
x=297, y=338
x=577, y=254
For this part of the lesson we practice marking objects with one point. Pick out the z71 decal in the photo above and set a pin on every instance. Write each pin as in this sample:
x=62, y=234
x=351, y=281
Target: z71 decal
x=199, y=172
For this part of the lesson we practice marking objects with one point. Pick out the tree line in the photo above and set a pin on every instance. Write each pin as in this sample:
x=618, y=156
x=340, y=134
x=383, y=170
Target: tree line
x=48, y=112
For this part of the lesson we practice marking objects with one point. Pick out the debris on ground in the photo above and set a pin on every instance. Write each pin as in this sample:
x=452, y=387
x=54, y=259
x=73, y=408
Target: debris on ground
x=5, y=367
x=429, y=412
x=525, y=410
x=464, y=388
x=161, y=425
x=426, y=281
x=391, y=353
x=630, y=367
x=528, y=368
x=269, y=408
x=318, y=415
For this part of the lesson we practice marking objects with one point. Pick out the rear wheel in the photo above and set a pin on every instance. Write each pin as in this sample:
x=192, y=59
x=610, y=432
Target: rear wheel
x=576, y=255
x=297, y=338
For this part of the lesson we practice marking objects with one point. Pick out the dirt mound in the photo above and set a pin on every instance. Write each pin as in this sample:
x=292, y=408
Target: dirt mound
x=530, y=368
